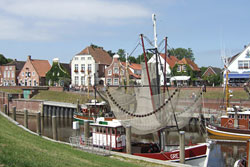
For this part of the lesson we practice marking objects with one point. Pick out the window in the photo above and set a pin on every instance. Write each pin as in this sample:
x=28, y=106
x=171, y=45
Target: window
x=82, y=80
x=89, y=80
x=12, y=74
x=122, y=72
x=8, y=74
x=34, y=82
x=82, y=67
x=33, y=73
x=30, y=82
x=184, y=68
x=23, y=74
x=179, y=68
x=116, y=81
x=76, y=80
x=4, y=74
x=76, y=58
x=109, y=81
x=109, y=72
x=245, y=64
x=89, y=67
x=76, y=67
x=89, y=58
x=10, y=68
x=116, y=70
x=58, y=74
x=6, y=68
x=82, y=58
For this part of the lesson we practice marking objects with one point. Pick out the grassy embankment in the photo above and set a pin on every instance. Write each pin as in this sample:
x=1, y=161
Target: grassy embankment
x=20, y=148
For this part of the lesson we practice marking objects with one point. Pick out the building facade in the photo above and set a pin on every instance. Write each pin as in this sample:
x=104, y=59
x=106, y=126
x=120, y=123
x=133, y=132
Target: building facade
x=10, y=72
x=239, y=67
x=33, y=72
x=88, y=67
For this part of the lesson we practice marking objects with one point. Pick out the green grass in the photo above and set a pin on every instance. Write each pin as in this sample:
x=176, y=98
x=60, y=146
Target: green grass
x=239, y=94
x=14, y=91
x=67, y=97
x=19, y=148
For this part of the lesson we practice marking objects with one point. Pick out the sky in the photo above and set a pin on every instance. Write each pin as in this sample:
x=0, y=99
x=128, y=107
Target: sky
x=47, y=29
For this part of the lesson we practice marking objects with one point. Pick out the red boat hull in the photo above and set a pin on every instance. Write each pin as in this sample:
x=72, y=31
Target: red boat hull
x=191, y=152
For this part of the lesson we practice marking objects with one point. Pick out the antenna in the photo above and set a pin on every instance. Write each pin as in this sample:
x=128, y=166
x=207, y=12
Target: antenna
x=154, y=25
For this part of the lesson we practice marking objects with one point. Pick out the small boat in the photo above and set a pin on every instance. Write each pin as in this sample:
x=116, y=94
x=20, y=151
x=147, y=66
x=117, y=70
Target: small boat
x=111, y=135
x=235, y=123
x=90, y=111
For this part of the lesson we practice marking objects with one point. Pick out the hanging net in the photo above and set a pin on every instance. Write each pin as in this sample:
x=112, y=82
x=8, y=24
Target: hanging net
x=148, y=109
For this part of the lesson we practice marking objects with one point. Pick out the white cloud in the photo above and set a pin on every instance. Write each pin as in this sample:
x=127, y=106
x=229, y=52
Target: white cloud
x=84, y=10
x=48, y=19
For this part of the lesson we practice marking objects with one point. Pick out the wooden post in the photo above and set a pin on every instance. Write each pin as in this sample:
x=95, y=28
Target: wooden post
x=5, y=108
x=182, y=147
x=248, y=153
x=128, y=139
x=77, y=107
x=42, y=109
x=38, y=123
x=86, y=131
x=54, y=128
x=25, y=118
x=14, y=113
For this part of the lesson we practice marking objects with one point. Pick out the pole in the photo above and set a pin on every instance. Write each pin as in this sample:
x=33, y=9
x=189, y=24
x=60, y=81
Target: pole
x=5, y=108
x=25, y=118
x=38, y=123
x=165, y=64
x=248, y=153
x=128, y=139
x=54, y=128
x=14, y=113
x=182, y=146
x=78, y=107
x=86, y=131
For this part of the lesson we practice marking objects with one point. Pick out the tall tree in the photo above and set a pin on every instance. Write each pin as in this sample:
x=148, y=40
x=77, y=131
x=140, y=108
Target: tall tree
x=3, y=60
x=182, y=52
x=122, y=54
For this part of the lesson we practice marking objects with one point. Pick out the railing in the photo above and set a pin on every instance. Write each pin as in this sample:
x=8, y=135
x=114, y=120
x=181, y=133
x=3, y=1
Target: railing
x=88, y=146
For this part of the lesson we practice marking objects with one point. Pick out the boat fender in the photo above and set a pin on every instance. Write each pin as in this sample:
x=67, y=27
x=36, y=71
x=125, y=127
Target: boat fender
x=230, y=121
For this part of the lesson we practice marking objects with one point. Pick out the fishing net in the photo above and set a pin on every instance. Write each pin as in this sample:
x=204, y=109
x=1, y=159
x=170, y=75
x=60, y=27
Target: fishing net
x=146, y=113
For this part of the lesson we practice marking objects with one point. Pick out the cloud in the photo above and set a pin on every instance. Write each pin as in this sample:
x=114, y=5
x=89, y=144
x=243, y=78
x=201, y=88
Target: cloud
x=49, y=19
x=82, y=10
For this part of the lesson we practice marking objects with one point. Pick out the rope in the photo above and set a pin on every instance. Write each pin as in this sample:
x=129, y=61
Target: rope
x=141, y=115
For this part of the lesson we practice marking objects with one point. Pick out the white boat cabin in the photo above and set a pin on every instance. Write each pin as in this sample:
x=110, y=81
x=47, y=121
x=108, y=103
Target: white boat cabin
x=108, y=133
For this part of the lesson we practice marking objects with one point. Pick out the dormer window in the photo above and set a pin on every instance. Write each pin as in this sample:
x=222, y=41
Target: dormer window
x=179, y=68
x=116, y=70
x=184, y=68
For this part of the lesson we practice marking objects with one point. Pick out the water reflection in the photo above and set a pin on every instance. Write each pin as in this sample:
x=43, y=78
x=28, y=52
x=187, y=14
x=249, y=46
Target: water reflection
x=223, y=154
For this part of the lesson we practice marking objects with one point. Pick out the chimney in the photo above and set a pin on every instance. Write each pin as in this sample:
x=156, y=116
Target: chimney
x=29, y=57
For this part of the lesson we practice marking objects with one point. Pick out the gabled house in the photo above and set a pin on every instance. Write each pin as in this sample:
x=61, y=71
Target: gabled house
x=170, y=63
x=10, y=72
x=115, y=74
x=59, y=74
x=211, y=71
x=239, y=67
x=33, y=72
x=88, y=67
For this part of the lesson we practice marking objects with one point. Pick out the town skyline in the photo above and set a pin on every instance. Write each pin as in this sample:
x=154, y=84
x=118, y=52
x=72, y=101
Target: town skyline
x=49, y=29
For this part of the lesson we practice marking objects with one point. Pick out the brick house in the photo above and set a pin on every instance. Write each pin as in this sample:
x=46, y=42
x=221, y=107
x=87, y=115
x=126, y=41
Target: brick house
x=10, y=72
x=88, y=67
x=212, y=71
x=33, y=72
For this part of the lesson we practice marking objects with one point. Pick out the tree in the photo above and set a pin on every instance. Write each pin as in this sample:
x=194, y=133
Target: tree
x=111, y=54
x=3, y=60
x=182, y=52
x=141, y=58
x=203, y=69
x=132, y=59
x=122, y=54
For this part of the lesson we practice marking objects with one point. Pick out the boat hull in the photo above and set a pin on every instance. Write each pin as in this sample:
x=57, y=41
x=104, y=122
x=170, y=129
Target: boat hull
x=194, y=155
x=228, y=132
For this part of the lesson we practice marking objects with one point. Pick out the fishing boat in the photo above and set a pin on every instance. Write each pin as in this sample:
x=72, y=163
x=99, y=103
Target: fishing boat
x=235, y=122
x=92, y=110
x=111, y=135
x=153, y=108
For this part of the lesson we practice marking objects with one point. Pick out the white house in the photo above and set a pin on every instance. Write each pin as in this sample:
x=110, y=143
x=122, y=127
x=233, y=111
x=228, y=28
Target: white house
x=239, y=67
x=170, y=63
x=88, y=67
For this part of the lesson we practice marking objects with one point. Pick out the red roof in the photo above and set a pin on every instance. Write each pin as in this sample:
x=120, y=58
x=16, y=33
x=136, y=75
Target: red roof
x=41, y=66
x=190, y=63
x=133, y=66
x=100, y=55
x=171, y=60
